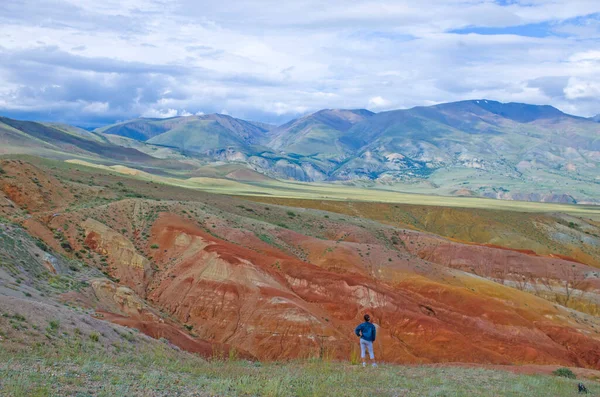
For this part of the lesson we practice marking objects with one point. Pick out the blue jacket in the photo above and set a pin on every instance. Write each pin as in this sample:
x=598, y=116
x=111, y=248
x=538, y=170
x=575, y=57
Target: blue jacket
x=366, y=331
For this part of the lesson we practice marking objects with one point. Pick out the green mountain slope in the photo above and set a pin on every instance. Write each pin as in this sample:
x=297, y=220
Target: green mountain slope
x=76, y=131
x=322, y=134
x=485, y=146
x=139, y=129
x=36, y=138
x=199, y=137
x=197, y=134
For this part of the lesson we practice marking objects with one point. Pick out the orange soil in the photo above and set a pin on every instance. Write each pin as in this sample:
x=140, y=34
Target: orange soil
x=175, y=336
x=302, y=296
x=277, y=306
x=510, y=230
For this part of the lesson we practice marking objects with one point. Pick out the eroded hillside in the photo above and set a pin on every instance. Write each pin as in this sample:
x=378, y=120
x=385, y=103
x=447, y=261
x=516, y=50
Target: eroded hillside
x=211, y=272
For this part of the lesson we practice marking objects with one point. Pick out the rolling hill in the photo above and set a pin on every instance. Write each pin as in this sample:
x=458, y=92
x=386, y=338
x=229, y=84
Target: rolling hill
x=198, y=134
x=31, y=137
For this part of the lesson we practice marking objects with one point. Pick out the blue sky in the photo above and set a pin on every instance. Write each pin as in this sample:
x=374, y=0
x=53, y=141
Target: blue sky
x=90, y=63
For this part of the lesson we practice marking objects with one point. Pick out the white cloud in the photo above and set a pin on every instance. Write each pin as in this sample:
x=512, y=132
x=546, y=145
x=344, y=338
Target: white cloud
x=160, y=113
x=378, y=102
x=119, y=59
x=95, y=107
x=578, y=89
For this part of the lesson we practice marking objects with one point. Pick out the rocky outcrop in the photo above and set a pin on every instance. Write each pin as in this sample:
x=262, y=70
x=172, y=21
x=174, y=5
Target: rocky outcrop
x=124, y=262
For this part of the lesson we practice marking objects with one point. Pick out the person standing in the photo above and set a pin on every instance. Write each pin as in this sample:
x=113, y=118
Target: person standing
x=367, y=333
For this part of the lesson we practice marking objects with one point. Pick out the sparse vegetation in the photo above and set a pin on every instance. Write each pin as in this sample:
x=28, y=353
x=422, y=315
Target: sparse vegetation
x=94, y=336
x=565, y=373
x=53, y=326
x=158, y=370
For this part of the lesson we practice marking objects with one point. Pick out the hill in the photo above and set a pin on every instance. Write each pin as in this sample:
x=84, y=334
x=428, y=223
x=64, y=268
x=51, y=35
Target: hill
x=321, y=134
x=199, y=134
x=58, y=140
x=279, y=282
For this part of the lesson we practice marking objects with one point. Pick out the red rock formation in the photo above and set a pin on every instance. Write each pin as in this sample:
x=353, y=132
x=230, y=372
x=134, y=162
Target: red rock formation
x=277, y=293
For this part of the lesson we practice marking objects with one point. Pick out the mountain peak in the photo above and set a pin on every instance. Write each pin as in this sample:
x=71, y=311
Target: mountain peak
x=520, y=112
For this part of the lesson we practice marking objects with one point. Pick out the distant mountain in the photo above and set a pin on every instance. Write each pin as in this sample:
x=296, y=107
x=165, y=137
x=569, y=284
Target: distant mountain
x=476, y=148
x=596, y=118
x=494, y=149
x=76, y=131
x=62, y=141
x=37, y=136
x=198, y=134
x=321, y=134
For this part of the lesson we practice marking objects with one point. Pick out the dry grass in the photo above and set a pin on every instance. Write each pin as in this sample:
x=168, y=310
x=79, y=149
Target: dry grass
x=322, y=191
x=79, y=367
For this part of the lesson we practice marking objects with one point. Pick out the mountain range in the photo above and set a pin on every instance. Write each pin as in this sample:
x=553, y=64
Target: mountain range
x=473, y=148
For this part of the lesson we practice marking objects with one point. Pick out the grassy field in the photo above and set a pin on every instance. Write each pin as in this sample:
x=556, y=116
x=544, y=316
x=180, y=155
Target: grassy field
x=316, y=191
x=80, y=368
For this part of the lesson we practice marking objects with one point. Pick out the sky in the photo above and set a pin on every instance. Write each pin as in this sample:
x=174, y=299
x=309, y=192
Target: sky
x=92, y=63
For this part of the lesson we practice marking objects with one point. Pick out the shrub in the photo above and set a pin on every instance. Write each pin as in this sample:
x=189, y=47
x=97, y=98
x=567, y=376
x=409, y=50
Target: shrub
x=565, y=372
x=53, y=326
x=94, y=337
x=154, y=246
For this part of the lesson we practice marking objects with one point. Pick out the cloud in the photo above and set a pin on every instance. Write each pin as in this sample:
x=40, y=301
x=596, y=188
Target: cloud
x=95, y=107
x=579, y=89
x=378, y=102
x=160, y=113
x=92, y=62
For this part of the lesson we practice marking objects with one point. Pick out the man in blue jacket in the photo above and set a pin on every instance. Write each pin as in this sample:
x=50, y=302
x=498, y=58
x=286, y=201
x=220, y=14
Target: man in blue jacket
x=366, y=331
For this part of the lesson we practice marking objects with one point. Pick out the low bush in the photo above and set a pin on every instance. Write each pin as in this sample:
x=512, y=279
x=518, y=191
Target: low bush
x=565, y=372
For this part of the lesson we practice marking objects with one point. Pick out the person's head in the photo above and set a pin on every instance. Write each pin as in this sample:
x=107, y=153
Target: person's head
x=367, y=318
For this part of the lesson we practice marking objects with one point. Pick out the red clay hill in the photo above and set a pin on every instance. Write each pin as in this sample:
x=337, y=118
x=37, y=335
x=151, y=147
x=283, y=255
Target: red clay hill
x=276, y=282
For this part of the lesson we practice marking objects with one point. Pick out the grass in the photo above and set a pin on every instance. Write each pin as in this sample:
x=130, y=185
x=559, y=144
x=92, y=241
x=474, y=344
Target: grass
x=322, y=191
x=82, y=368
